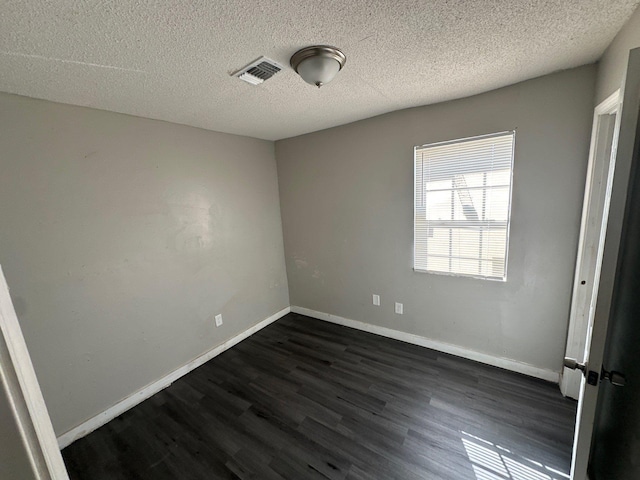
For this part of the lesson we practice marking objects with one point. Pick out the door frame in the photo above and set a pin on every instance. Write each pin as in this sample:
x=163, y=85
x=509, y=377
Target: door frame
x=609, y=249
x=587, y=257
x=25, y=397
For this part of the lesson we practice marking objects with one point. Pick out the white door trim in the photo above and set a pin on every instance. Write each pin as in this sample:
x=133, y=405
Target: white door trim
x=594, y=196
x=618, y=186
x=25, y=397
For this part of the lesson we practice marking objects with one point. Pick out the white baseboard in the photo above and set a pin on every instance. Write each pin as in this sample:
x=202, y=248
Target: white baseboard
x=506, y=363
x=134, y=399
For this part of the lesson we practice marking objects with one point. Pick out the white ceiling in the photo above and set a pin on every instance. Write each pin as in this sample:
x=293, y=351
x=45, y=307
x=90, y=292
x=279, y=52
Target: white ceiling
x=171, y=60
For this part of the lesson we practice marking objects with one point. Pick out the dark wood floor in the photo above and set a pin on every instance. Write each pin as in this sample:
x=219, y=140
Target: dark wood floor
x=305, y=399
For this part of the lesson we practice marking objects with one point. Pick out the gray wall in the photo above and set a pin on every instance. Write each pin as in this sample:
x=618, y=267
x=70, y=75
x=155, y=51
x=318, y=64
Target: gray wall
x=347, y=209
x=121, y=237
x=613, y=64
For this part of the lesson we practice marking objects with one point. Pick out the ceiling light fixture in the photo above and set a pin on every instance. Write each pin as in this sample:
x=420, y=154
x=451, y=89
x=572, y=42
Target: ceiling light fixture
x=319, y=64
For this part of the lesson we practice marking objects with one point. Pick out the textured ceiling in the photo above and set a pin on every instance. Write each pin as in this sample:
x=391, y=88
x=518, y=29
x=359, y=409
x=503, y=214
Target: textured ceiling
x=171, y=60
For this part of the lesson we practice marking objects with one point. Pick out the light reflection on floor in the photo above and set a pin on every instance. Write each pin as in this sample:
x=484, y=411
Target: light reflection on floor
x=493, y=462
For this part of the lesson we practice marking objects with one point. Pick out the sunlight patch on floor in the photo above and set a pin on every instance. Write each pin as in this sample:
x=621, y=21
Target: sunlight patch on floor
x=494, y=462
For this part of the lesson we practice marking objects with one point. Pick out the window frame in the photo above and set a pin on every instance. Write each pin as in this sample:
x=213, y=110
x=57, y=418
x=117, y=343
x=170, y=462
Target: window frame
x=502, y=279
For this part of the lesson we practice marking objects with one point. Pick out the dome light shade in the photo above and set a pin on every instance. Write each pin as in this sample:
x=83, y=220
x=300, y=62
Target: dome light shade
x=319, y=64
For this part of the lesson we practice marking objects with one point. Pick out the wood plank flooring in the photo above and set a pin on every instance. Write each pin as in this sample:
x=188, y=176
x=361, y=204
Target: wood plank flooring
x=305, y=399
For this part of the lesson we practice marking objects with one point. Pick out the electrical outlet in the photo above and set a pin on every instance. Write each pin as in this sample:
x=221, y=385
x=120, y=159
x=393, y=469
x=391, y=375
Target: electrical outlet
x=218, y=320
x=399, y=308
x=376, y=300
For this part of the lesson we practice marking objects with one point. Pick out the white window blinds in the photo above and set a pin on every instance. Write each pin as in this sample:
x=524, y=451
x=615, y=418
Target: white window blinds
x=463, y=205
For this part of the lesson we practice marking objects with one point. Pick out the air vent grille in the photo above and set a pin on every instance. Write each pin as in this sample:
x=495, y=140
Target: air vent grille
x=258, y=71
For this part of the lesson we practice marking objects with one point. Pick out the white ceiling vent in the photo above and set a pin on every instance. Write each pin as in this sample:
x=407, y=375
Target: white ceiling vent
x=258, y=71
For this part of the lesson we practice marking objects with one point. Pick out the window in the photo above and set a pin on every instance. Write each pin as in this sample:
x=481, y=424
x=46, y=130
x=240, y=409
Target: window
x=463, y=205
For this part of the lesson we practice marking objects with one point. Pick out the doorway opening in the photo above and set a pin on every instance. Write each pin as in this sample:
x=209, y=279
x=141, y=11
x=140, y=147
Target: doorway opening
x=592, y=230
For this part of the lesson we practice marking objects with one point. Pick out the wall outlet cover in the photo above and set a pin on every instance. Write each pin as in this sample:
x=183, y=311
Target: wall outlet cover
x=218, y=320
x=399, y=308
x=376, y=300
